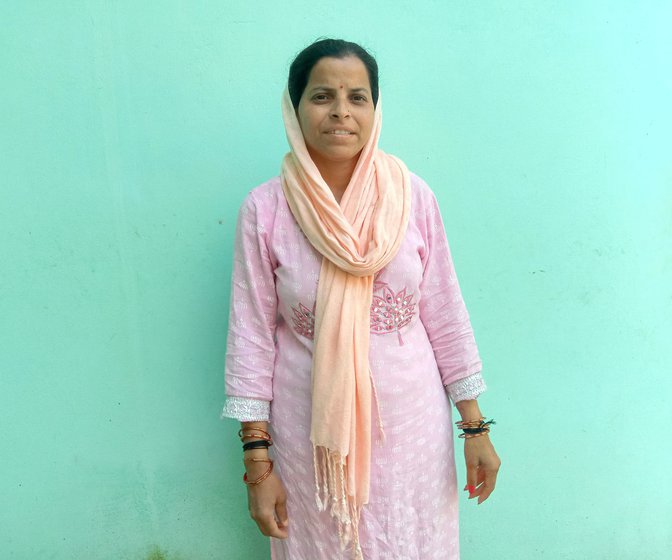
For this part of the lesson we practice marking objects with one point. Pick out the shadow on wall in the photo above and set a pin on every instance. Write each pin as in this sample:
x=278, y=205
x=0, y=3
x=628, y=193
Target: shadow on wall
x=157, y=553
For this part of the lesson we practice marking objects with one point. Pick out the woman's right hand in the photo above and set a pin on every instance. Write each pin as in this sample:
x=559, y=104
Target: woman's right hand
x=267, y=502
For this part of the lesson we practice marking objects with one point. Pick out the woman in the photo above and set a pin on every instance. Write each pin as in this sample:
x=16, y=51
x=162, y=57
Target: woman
x=347, y=330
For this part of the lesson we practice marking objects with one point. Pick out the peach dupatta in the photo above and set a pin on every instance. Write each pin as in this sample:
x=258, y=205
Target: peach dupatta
x=357, y=238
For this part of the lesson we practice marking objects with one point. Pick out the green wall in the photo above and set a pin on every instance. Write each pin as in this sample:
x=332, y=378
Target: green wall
x=131, y=131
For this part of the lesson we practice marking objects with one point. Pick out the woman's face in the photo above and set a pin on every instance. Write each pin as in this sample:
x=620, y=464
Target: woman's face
x=336, y=110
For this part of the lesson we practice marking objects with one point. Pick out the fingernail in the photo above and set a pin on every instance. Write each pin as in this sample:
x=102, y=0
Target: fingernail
x=471, y=489
x=465, y=487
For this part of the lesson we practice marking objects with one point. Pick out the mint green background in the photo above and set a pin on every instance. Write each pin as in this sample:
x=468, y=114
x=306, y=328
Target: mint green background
x=130, y=133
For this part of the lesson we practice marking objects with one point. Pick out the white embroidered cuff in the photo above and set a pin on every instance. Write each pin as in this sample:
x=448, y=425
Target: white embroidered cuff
x=245, y=409
x=466, y=388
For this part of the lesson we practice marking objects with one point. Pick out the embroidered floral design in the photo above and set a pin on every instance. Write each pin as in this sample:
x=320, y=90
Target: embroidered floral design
x=304, y=320
x=390, y=312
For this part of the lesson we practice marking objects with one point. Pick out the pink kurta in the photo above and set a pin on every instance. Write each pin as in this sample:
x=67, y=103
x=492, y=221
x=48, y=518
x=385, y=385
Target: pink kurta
x=421, y=341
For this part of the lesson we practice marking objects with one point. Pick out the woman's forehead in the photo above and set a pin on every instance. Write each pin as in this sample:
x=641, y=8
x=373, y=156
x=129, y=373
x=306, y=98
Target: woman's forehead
x=337, y=73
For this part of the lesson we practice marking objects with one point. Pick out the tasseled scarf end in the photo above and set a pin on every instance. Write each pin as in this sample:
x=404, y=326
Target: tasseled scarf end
x=331, y=493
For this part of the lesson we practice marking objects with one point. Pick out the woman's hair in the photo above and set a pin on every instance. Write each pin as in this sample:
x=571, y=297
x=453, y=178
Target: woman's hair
x=304, y=62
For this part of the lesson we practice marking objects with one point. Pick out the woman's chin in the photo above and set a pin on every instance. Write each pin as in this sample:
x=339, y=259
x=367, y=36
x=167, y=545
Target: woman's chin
x=339, y=156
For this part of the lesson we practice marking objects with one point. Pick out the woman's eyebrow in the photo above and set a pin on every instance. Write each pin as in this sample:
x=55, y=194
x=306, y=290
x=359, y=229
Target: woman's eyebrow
x=331, y=89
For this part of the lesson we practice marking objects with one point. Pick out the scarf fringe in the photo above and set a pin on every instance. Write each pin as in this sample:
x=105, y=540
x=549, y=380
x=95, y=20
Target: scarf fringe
x=331, y=490
x=331, y=494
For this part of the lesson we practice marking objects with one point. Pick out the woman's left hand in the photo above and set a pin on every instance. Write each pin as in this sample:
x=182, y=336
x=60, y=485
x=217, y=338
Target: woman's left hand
x=482, y=467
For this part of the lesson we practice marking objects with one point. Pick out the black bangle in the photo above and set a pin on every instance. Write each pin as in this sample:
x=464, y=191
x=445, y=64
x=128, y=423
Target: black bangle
x=475, y=430
x=256, y=444
x=483, y=427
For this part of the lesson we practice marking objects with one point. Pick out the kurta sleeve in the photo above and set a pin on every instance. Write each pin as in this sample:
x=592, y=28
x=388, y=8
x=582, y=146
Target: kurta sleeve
x=466, y=388
x=250, y=351
x=443, y=311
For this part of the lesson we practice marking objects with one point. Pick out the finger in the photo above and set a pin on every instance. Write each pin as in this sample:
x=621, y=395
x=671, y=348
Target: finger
x=480, y=485
x=479, y=478
x=488, y=485
x=281, y=514
x=472, y=479
x=279, y=532
x=269, y=527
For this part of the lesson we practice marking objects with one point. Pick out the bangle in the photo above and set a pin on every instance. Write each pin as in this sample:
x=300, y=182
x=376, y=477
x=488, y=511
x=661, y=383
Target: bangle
x=257, y=444
x=266, y=434
x=474, y=428
x=474, y=423
x=250, y=436
x=262, y=439
x=466, y=436
x=263, y=476
x=461, y=423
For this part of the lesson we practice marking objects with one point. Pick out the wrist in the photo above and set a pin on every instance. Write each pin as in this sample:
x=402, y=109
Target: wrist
x=260, y=453
x=252, y=459
x=256, y=468
x=468, y=409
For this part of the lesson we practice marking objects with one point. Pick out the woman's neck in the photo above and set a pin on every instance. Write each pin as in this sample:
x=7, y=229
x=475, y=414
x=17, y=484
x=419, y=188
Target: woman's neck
x=336, y=174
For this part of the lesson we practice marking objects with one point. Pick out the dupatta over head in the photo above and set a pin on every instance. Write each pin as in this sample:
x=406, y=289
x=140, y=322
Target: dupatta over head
x=357, y=238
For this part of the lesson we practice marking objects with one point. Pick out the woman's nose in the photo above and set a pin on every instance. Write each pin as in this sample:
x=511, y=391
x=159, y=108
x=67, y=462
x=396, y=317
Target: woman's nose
x=340, y=109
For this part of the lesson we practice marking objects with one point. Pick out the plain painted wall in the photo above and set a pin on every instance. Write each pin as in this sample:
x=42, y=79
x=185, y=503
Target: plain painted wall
x=131, y=131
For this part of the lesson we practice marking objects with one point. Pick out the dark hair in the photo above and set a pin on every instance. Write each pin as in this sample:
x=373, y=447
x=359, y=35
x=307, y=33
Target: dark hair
x=304, y=62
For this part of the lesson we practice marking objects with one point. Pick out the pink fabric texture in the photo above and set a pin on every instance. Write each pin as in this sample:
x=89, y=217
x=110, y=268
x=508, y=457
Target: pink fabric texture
x=421, y=339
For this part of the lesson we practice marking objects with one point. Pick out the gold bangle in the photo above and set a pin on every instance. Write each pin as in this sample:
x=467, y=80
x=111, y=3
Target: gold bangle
x=469, y=423
x=261, y=478
x=255, y=436
x=467, y=436
x=240, y=432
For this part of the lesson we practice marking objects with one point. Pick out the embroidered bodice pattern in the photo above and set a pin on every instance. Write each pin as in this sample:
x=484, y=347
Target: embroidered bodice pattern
x=304, y=320
x=390, y=312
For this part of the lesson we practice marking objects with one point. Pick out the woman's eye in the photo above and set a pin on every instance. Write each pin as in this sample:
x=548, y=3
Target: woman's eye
x=359, y=98
x=320, y=97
